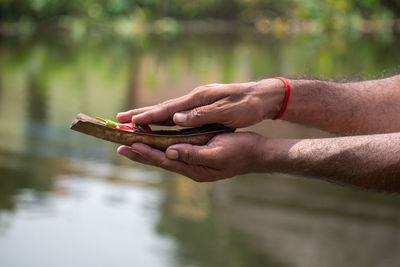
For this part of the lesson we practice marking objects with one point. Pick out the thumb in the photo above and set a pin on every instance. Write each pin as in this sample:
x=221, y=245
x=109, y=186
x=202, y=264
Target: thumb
x=197, y=117
x=190, y=154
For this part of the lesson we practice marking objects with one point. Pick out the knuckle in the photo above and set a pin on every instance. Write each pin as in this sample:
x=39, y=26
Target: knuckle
x=188, y=157
x=198, y=90
x=164, y=108
x=200, y=94
x=196, y=113
x=168, y=109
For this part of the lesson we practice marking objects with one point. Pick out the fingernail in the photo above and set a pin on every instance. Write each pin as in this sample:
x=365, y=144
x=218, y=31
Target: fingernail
x=122, y=152
x=172, y=154
x=180, y=117
x=120, y=113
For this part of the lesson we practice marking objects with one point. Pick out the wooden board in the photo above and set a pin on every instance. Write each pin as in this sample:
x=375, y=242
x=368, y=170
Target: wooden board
x=158, y=139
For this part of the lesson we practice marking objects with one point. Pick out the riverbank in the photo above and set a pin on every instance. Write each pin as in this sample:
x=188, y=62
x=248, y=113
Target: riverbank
x=133, y=26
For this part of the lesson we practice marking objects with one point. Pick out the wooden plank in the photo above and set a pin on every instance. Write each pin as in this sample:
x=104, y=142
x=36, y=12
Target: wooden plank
x=158, y=139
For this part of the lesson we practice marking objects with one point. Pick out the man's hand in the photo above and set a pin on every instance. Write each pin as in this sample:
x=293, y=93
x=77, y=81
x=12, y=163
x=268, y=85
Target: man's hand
x=346, y=108
x=225, y=155
x=234, y=105
x=368, y=161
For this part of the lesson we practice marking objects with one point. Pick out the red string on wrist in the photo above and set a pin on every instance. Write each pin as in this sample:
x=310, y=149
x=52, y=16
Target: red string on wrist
x=286, y=100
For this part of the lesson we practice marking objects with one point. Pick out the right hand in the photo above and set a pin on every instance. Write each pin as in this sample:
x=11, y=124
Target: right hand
x=224, y=156
x=234, y=105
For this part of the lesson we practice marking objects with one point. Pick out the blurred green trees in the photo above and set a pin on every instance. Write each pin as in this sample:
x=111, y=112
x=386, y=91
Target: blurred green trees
x=264, y=15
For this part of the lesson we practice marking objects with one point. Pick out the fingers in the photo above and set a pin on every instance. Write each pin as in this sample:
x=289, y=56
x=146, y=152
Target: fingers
x=164, y=112
x=126, y=151
x=200, y=116
x=146, y=155
x=192, y=155
x=161, y=113
x=157, y=158
x=126, y=116
x=157, y=114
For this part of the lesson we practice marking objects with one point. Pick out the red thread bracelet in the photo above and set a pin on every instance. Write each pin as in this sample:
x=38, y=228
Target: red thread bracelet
x=286, y=100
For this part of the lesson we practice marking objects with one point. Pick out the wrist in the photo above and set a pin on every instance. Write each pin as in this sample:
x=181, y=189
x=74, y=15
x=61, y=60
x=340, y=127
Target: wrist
x=274, y=155
x=273, y=95
x=309, y=100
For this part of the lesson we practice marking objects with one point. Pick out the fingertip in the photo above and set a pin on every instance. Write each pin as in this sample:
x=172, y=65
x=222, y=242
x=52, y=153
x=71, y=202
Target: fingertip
x=123, y=150
x=123, y=116
x=120, y=148
x=180, y=118
x=172, y=154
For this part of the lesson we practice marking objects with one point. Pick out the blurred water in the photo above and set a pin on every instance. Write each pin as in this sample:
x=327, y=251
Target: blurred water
x=67, y=199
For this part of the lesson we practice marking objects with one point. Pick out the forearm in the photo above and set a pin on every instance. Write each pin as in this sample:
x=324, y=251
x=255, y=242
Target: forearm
x=369, y=161
x=349, y=108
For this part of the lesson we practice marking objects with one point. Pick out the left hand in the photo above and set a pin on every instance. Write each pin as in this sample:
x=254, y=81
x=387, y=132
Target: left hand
x=235, y=105
x=224, y=156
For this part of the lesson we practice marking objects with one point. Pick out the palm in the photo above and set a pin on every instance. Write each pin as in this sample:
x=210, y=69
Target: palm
x=224, y=156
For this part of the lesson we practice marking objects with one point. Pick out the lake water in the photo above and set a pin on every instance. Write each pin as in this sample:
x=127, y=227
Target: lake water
x=67, y=199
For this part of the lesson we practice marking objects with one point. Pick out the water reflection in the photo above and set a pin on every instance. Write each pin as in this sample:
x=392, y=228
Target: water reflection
x=202, y=235
x=311, y=223
x=18, y=172
x=67, y=199
x=84, y=222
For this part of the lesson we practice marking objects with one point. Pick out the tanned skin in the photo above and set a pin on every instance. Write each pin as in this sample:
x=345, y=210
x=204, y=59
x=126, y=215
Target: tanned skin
x=368, y=110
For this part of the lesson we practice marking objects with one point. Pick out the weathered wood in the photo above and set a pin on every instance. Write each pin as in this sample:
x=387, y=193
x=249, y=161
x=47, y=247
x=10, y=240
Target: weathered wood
x=158, y=139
